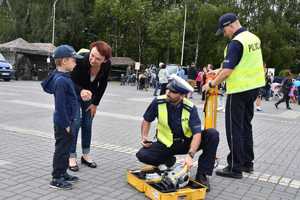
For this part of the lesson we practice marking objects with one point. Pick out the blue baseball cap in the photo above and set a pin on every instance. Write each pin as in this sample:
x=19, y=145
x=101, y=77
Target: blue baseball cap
x=65, y=51
x=224, y=21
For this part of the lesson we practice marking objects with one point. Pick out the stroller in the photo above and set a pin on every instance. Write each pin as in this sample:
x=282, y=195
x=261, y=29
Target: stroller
x=276, y=91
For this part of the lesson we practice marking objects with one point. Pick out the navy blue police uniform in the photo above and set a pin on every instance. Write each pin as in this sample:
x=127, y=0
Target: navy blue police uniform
x=239, y=108
x=158, y=153
x=232, y=59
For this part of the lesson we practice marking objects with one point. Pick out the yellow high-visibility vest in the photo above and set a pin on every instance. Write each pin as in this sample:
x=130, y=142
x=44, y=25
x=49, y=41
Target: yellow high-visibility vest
x=249, y=73
x=164, y=133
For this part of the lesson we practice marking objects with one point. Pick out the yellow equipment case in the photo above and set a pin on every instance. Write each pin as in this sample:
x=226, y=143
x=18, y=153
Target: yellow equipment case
x=193, y=191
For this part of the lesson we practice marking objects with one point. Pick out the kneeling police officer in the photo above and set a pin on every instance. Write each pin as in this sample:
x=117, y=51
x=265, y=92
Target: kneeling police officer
x=178, y=132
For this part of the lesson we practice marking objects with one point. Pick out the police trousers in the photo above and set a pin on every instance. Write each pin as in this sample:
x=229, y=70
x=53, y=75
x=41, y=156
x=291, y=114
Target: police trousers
x=238, y=116
x=158, y=153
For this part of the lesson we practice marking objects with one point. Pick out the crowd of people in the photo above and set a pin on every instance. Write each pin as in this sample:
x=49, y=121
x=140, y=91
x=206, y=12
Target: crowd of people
x=281, y=89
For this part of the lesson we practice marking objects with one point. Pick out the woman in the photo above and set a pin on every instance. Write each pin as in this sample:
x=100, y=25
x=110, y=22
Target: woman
x=90, y=77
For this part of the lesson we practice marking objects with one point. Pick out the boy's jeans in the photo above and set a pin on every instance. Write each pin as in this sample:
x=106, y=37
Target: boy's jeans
x=83, y=120
x=63, y=141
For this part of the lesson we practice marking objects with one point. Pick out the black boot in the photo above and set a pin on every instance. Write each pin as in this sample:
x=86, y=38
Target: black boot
x=247, y=169
x=227, y=172
x=203, y=179
x=170, y=162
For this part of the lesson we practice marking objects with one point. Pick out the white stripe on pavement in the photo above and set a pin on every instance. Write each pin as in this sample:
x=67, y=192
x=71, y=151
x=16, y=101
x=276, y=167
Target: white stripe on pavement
x=51, y=106
x=9, y=94
x=289, y=182
x=125, y=116
x=3, y=162
x=32, y=132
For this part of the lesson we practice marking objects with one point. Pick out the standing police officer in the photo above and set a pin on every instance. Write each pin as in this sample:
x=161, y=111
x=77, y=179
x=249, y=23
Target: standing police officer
x=178, y=132
x=244, y=74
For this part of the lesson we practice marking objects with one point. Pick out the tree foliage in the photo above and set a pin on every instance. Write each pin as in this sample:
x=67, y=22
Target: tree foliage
x=151, y=31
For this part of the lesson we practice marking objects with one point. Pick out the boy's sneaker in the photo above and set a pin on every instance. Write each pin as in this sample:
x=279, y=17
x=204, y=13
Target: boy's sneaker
x=60, y=183
x=70, y=178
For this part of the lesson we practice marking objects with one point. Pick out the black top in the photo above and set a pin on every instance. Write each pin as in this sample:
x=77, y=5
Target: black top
x=287, y=84
x=192, y=73
x=82, y=79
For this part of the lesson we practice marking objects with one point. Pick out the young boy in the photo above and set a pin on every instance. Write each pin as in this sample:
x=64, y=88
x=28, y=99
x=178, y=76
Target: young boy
x=59, y=84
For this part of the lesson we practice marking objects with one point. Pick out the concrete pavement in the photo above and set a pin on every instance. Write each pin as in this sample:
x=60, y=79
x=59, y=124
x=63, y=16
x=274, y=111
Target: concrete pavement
x=26, y=143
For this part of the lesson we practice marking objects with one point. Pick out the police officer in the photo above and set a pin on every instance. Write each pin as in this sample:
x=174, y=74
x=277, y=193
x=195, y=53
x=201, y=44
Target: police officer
x=244, y=74
x=178, y=132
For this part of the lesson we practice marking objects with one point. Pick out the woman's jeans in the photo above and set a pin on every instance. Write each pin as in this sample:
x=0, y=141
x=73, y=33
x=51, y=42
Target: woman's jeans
x=83, y=121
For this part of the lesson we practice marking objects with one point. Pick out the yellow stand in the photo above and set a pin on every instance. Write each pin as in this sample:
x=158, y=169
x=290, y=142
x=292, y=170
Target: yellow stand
x=211, y=104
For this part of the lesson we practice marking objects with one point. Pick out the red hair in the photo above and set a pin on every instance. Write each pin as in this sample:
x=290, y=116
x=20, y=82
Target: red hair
x=103, y=48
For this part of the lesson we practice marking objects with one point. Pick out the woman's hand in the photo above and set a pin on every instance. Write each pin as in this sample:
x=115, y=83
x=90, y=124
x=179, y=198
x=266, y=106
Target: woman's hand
x=92, y=108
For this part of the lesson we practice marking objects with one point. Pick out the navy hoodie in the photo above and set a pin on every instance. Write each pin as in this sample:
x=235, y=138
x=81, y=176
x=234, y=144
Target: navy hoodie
x=66, y=103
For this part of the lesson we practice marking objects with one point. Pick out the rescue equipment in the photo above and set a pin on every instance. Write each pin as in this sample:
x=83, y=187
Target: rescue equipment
x=170, y=184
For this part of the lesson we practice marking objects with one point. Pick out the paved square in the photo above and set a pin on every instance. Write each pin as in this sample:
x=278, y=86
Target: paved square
x=26, y=146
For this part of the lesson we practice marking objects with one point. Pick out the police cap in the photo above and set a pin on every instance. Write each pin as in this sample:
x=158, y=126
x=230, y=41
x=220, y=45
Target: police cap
x=225, y=20
x=179, y=85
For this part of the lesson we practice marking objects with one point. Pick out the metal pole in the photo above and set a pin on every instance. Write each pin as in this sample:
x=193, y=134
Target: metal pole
x=53, y=22
x=183, y=36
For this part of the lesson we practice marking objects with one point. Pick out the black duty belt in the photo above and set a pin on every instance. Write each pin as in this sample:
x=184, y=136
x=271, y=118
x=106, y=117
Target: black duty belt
x=178, y=139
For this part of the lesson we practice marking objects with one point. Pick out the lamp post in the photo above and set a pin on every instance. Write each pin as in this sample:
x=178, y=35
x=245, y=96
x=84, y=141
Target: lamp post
x=53, y=22
x=183, y=36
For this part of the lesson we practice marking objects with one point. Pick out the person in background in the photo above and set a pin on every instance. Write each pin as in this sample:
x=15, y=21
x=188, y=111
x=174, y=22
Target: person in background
x=163, y=78
x=292, y=94
x=258, y=100
x=268, y=87
x=192, y=74
x=181, y=72
x=199, y=81
x=285, y=89
x=203, y=82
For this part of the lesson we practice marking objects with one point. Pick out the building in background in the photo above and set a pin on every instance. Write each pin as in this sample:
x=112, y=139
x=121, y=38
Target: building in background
x=29, y=60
